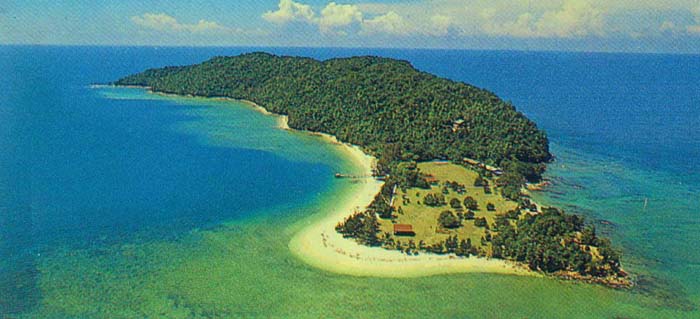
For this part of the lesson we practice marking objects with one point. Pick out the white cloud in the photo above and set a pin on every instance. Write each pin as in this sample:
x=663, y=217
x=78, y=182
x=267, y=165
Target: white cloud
x=335, y=17
x=440, y=24
x=695, y=29
x=521, y=27
x=504, y=18
x=166, y=23
x=389, y=23
x=667, y=26
x=289, y=11
x=575, y=18
x=338, y=15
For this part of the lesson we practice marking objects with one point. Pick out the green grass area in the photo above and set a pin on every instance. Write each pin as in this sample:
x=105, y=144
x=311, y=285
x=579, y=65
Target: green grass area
x=424, y=218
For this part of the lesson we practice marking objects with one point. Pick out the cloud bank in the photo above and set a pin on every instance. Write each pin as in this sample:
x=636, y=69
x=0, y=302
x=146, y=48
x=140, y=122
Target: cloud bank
x=335, y=18
x=166, y=23
x=526, y=19
x=289, y=11
x=695, y=28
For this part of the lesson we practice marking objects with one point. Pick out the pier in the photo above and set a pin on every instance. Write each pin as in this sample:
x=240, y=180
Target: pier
x=340, y=175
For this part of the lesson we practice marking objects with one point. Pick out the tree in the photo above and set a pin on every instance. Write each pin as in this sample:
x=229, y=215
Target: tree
x=408, y=175
x=479, y=181
x=512, y=183
x=480, y=222
x=451, y=244
x=588, y=236
x=470, y=203
x=364, y=227
x=548, y=242
x=501, y=221
x=434, y=200
x=454, y=203
x=469, y=215
x=448, y=220
x=464, y=248
x=386, y=213
x=490, y=207
x=513, y=214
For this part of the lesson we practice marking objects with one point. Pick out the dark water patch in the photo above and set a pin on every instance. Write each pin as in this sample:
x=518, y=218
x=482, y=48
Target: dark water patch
x=18, y=272
x=18, y=289
x=663, y=292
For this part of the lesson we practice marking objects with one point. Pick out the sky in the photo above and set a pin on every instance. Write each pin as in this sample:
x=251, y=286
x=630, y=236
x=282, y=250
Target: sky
x=665, y=26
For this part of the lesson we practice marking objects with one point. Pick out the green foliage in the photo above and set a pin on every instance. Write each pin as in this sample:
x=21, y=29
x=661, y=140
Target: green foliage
x=500, y=221
x=547, y=242
x=512, y=182
x=469, y=215
x=480, y=181
x=480, y=222
x=490, y=207
x=470, y=203
x=515, y=176
x=434, y=200
x=380, y=204
x=448, y=220
x=455, y=187
x=465, y=248
x=408, y=175
x=588, y=236
x=364, y=227
x=513, y=214
x=455, y=203
x=531, y=172
x=451, y=244
x=391, y=109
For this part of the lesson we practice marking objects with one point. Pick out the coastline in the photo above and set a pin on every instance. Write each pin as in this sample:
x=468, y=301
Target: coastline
x=319, y=245
x=282, y=120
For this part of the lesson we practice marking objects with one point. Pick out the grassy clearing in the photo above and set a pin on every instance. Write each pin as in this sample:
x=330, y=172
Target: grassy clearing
x=424, y=218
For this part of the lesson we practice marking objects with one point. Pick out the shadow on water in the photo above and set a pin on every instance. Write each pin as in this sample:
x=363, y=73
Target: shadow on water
x=18, y=283
x=664, y=292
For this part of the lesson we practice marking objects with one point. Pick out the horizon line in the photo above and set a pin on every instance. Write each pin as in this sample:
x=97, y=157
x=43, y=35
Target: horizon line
x=194, y=46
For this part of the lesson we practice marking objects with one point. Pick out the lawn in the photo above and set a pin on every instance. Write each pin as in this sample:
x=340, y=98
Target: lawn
x=424, y=218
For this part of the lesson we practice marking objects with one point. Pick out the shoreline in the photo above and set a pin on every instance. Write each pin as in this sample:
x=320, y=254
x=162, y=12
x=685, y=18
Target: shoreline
x=319, y=245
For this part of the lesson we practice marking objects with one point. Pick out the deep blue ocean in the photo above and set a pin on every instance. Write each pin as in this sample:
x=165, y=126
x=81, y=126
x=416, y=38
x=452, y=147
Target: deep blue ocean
x=79, y=168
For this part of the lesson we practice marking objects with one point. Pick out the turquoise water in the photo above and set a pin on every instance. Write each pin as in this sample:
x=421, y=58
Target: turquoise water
x=115, y=203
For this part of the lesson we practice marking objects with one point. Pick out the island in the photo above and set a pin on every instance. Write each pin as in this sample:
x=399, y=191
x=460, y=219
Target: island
x=449, y=160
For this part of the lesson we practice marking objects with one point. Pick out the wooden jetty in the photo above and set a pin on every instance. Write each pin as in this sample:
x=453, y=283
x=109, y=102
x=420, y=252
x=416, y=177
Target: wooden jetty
x=341, y=175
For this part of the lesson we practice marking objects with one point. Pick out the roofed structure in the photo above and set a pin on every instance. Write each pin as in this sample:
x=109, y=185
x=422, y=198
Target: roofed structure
x=403, y=230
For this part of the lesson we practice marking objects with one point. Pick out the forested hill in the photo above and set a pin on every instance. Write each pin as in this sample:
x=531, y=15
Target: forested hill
x=369, y=101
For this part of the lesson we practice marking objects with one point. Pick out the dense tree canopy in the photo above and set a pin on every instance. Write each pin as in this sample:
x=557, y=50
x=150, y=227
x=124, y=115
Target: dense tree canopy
x=554, y=241
x=382, y=104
